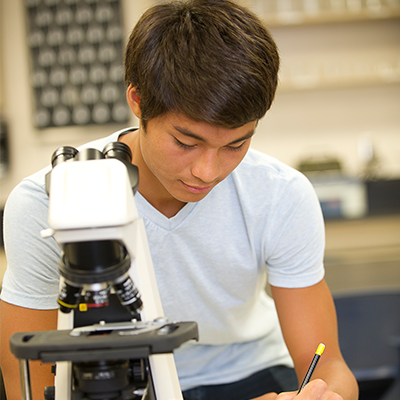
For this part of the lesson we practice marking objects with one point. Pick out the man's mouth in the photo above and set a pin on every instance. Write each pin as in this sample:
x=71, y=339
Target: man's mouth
x=197, y=189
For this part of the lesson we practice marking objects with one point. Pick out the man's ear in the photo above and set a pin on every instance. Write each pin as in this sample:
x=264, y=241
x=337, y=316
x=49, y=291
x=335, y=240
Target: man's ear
x=133, y=100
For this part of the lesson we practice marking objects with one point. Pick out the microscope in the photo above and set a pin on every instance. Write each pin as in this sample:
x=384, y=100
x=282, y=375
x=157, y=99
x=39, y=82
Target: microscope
x=112, y=341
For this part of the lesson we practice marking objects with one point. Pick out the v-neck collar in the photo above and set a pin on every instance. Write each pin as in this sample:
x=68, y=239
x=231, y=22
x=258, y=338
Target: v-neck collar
x=148, y=211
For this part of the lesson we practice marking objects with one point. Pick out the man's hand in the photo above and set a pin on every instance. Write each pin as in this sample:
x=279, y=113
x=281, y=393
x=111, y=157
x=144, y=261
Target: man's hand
x=315, y=390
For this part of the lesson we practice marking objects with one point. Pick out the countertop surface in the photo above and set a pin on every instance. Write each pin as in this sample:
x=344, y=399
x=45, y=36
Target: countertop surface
x=363, y=253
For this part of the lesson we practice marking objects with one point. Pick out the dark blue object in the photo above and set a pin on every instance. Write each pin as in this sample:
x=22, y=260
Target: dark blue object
x=369, y=324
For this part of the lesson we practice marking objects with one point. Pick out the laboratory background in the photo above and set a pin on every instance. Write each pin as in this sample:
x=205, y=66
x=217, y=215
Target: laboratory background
x=336, y=118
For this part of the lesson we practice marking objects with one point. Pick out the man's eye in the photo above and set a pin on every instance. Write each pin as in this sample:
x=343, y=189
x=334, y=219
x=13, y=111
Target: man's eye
x=236, y=148
x=183, y=145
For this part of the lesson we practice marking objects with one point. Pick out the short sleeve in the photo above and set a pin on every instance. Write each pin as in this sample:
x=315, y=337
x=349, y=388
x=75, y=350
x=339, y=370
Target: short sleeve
x=31, y=279
x=296, y=236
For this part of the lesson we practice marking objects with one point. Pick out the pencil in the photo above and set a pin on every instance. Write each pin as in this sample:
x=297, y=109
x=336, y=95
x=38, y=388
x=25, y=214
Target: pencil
x=312, y=366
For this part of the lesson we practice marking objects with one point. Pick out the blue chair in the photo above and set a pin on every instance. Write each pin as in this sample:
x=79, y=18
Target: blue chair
x=369, y=324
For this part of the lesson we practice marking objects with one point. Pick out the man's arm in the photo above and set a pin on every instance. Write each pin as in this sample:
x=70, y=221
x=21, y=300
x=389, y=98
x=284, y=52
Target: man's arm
x=308, y=317
x=17, y=319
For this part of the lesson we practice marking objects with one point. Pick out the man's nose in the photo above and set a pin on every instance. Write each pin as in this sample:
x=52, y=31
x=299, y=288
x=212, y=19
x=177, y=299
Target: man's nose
x=206, y=166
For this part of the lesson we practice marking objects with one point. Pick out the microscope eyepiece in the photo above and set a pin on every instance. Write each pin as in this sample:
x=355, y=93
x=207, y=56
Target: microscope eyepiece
x=63, y=154
x=122, y=152
x=118, y=150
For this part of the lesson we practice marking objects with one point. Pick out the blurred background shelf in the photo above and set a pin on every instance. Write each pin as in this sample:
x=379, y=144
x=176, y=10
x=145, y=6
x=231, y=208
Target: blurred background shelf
x=325, y=23
x=306, y=12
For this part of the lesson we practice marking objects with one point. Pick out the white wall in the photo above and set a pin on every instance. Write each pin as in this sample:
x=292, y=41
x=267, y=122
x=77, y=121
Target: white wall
x=328, y=119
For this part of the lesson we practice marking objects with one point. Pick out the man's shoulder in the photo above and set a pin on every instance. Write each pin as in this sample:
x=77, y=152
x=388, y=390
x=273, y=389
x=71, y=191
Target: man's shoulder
x=265, y=168
x=264, y=181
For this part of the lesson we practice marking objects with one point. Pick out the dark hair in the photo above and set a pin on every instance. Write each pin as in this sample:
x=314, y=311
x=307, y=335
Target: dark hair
x=212, y=60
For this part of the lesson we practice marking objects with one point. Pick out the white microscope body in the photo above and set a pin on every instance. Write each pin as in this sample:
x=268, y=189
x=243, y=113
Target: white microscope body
x=92, y=201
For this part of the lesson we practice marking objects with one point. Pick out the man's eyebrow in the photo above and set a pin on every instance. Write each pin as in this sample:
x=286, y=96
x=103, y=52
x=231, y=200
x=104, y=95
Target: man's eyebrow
x=245, y=137
x=193, y=135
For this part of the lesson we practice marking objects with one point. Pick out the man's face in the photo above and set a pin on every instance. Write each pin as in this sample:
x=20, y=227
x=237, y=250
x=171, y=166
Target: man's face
x=189, y=158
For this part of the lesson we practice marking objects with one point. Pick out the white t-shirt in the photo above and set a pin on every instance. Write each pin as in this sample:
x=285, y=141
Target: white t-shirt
x=211, y=261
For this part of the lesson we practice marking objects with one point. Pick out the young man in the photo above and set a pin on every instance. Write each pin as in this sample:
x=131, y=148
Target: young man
x=200, y=75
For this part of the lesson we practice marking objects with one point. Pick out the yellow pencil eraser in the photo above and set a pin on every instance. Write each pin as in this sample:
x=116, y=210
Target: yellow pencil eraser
x=320, y=349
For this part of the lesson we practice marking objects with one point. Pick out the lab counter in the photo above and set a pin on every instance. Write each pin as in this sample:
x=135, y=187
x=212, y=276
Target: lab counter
x=363, y=253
